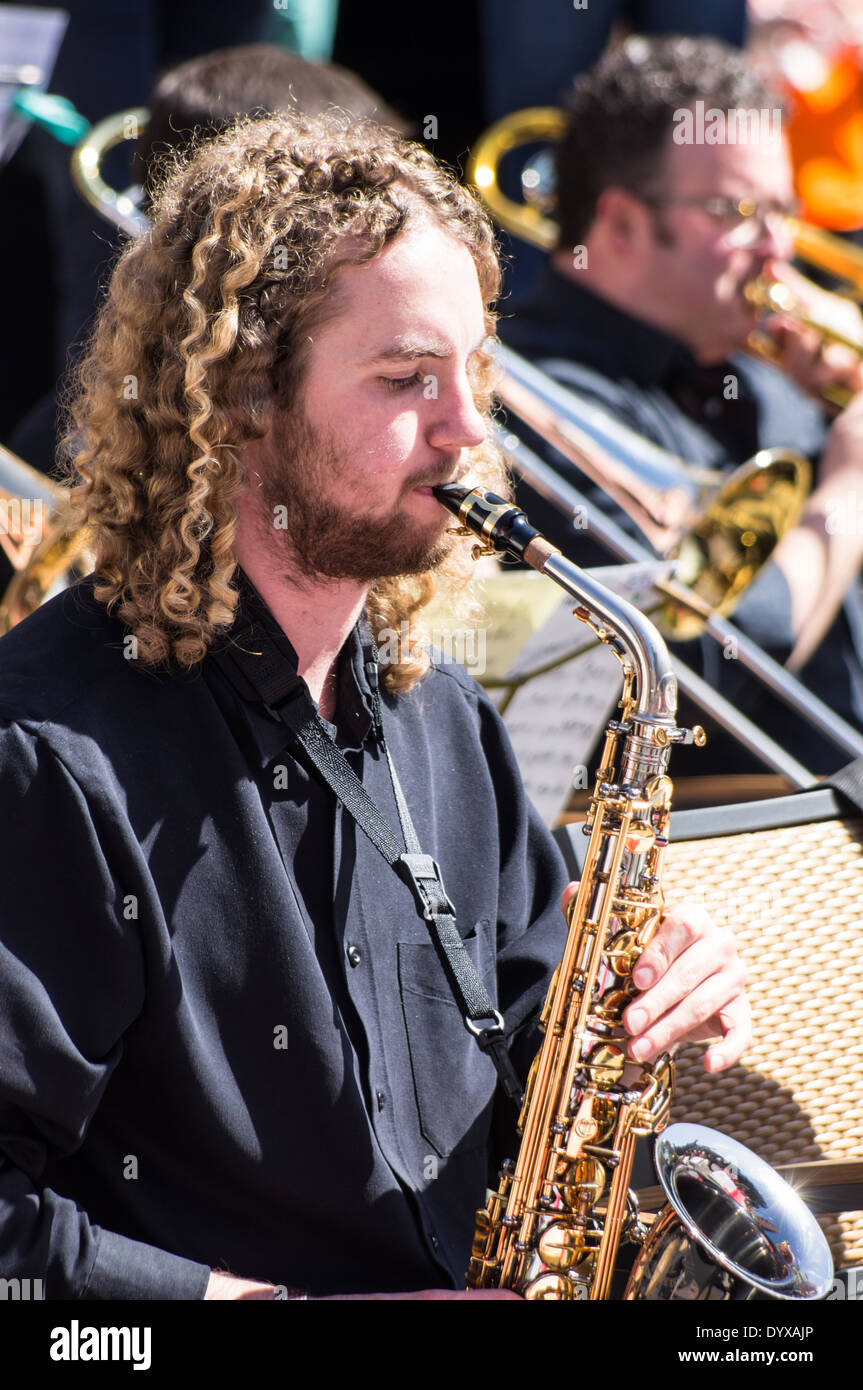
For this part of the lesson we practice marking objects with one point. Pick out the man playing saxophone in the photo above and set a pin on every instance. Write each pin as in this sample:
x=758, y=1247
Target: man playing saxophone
x=229, y=1046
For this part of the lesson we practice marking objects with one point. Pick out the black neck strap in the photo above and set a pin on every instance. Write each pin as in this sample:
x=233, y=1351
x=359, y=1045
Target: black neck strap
x=261, y=665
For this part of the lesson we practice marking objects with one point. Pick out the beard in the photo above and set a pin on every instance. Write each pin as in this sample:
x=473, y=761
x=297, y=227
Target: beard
x=322, y=538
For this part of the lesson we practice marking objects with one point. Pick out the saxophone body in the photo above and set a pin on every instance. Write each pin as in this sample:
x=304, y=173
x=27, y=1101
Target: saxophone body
x=553, y=1228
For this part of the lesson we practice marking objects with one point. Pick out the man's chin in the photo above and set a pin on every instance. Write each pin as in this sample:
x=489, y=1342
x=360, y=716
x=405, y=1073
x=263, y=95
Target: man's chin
x=728, y=336
x=408, y=546
x=405, y=559
x=394, y=551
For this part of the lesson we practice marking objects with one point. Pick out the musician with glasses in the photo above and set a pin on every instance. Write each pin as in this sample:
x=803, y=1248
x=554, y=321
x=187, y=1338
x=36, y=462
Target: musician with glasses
x=231, y=1057
x=673, y=188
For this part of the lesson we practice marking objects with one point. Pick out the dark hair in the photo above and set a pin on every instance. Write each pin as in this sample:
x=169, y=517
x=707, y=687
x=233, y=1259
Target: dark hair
x=621, y=112
x=206, y=93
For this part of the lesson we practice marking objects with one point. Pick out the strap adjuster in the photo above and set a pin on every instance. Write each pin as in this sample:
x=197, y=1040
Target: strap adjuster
x=423, y=875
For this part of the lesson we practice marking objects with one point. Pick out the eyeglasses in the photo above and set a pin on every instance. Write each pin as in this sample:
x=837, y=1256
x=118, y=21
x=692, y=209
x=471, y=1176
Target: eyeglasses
x=744, y=219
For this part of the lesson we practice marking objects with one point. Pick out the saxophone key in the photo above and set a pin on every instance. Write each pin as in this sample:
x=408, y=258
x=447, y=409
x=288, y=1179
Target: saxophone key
x=640, y=840
x=606, y=1063
x=583, y=1184
x=549, y=1001
x=563, y=1247
x=483, y=1235
x=608, y=1009
x=623, y=951
x=528, y=1093
x=552, y=1288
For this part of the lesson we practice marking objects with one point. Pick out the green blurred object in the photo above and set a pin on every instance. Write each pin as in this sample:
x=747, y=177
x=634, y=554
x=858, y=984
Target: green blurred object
x=308, y=27
x=55, y=114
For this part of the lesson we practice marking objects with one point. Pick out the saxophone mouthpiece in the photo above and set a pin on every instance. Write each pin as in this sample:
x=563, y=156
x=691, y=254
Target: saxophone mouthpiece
x=451, y=496
x=501, y=525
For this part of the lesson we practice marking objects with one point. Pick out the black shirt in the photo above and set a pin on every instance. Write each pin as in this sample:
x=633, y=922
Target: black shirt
x=716, y=416
x=226, y=1039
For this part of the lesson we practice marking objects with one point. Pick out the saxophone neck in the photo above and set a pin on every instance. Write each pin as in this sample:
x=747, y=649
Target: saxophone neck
x=502, y=526
x=655, y=682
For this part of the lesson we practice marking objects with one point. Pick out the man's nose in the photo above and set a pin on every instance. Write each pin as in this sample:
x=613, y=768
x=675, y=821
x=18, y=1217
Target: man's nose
x=775, y=240
x=457, y=424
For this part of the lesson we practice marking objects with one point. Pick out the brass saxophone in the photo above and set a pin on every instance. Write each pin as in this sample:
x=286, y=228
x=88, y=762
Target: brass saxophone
x=552, y=1230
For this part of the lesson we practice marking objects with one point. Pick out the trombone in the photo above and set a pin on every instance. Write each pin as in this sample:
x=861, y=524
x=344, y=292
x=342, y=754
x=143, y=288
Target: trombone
x=566, y=498
x=723, y=536
x=721, y=530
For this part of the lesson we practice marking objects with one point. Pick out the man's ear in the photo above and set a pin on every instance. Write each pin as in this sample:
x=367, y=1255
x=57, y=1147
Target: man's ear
x=623, y=219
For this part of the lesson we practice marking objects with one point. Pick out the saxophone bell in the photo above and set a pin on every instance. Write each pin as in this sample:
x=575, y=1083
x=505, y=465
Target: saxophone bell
x=733, y=1228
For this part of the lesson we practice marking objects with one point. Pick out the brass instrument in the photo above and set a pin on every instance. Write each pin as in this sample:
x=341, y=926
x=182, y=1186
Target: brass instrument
x=34, y=536
x=531, y=221
x=771, y=296
x=565, y=498
x=553, y=1227
x=120, y=209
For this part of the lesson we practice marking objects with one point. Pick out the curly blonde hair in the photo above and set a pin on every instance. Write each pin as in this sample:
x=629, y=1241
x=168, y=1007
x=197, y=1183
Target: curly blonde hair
x=200, y=339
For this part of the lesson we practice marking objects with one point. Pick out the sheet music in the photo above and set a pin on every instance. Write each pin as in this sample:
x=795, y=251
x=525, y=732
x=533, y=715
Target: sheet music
x=515, y=604
x=30, y=40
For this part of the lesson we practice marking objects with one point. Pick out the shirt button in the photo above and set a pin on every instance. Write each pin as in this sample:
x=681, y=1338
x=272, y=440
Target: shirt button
x=435, y=1243
x=354, y=955
x=381, y=1099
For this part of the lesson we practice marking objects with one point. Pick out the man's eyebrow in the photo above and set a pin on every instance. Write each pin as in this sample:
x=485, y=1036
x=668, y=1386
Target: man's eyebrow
x=411, y=351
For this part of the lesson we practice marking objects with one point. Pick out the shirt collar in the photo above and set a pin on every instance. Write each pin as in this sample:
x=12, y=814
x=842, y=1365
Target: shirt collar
x=267, y=736
x=565, y=313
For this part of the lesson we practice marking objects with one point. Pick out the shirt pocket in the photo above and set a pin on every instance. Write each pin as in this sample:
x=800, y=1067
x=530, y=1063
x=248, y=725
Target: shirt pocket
x=453, y=1080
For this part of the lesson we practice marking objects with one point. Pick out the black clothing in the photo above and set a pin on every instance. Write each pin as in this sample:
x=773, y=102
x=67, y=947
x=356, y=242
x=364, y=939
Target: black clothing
x=226, y=1035
x=715, y=416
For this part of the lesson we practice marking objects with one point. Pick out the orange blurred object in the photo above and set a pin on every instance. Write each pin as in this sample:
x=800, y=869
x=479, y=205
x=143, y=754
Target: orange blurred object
x=825, y=132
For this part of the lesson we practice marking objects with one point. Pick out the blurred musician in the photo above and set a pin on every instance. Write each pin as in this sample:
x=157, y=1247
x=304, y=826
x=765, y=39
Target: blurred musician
x=666, y=212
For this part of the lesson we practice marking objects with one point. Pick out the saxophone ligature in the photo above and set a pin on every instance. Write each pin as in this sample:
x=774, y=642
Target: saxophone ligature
x=733, y=1228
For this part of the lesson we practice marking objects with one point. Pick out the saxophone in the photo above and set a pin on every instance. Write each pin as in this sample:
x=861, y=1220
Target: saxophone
x=733, y=1228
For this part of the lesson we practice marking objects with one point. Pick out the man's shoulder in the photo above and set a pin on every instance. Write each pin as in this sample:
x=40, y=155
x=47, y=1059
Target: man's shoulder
x=449, y=687
x=69, y=655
